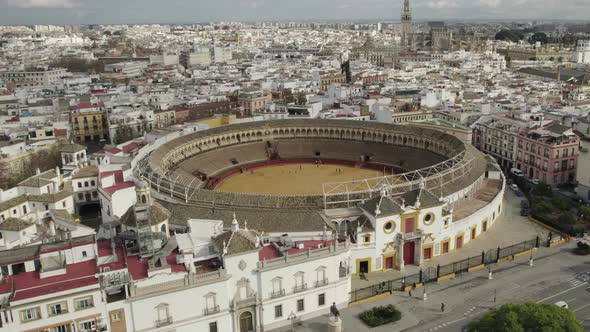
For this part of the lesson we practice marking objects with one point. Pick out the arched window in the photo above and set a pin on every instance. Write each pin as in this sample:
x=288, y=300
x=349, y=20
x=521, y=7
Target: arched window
x=143, y=199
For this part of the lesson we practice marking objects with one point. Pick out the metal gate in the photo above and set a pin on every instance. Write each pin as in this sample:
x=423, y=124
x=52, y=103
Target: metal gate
x=429, y=275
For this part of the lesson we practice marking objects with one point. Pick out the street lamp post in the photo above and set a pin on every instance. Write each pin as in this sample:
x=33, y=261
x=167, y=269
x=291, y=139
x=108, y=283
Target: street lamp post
x=292, y=318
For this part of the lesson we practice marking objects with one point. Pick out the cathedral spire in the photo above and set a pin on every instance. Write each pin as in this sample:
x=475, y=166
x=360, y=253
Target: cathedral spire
x=406, y=20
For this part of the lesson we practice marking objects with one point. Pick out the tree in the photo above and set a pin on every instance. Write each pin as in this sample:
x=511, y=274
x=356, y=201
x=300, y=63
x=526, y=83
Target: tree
x=123, y=134
x=566, y=218
x=539, y=37
x=584, y=212
x=76, y=65
x=527, y=317
x=509, y=35
x=543, y=189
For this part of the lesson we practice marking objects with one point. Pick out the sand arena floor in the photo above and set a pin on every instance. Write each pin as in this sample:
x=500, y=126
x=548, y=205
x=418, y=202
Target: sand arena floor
x=293, y=179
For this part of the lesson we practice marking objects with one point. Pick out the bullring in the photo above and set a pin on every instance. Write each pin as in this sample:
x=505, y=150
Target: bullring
x=432, y=194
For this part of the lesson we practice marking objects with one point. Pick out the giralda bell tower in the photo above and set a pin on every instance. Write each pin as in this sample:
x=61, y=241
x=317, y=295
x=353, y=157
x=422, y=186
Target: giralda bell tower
x=406, y=22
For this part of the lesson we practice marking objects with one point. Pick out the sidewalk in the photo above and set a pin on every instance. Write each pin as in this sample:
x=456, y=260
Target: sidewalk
x=416, y=312
x=510, y=228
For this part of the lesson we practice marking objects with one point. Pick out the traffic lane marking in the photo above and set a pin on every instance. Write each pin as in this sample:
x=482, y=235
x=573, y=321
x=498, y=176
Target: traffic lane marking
x=560, y=293
x=582, y=307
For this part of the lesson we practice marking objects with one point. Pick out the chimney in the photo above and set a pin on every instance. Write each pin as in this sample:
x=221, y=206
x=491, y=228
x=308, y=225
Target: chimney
x=234, y=224
x=51, y=228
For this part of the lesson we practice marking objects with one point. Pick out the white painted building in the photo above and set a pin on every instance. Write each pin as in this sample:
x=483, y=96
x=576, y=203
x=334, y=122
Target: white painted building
x=582, y=54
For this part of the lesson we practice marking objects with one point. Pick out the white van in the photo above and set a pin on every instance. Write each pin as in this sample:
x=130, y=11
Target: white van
x=562, y=304
x=516, y=172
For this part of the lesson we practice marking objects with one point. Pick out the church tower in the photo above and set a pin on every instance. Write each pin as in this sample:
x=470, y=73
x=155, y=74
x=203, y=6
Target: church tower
x=406, y=20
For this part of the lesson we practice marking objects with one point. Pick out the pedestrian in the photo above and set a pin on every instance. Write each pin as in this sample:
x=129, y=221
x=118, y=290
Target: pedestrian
x=410, y=293
x=442, y=307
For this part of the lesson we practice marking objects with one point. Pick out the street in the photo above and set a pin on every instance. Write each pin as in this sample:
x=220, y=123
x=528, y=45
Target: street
x=556, y=275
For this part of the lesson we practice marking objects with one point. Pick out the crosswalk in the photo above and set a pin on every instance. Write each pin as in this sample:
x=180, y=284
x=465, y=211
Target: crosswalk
x=526, y=294
x=578, y=279
x=466, y=314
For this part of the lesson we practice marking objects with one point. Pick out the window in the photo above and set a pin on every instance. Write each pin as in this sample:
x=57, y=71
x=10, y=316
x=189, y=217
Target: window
x=211, y=304
x=213, y=327
x=57, y=308
x=84, y=253
x=24, y=209
x=277, y=287
x=84, y=303
x=299, y=281
x=79, y=184
x=300, y=305
x=278, y=311
x=116, y=316
x=321, y=299
x=28, y=315
x=85, y=183
x=61, y=328
x=87, y=326
x=321, y=276
x=428, y=219
x=80, y=196
x=163, y=315
x=389, y=227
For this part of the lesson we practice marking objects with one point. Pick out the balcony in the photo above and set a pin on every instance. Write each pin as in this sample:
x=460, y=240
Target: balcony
x=412, y=235
x=164, y=322
x=276, y=294
x=211, y=310
x=322, y=282
x=299, y=288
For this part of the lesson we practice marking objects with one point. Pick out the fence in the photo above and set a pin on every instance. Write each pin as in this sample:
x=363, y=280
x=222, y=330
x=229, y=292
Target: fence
x=432, y=274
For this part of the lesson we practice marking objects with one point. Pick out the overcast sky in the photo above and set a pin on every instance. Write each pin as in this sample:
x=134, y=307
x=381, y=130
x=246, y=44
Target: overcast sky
x=186, y=11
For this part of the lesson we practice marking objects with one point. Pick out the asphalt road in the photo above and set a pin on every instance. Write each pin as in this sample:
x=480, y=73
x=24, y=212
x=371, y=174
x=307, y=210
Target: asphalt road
x=556, y=276
x=577, y=297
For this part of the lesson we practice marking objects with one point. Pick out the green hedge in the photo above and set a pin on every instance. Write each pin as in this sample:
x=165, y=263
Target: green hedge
x=582, y=249
x=380, y=315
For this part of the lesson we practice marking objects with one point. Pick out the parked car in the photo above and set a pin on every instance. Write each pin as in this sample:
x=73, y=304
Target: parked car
x=519, y=193
x=524, y=204
x=514, y=187
x=516, y=172
x=562, y=304
x=524, y=212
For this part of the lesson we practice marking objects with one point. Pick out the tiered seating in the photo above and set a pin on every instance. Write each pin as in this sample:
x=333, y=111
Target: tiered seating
x=218, y=160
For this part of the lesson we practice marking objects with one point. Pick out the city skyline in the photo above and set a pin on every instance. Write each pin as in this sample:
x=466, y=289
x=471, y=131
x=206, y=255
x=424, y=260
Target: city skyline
x=17, y=12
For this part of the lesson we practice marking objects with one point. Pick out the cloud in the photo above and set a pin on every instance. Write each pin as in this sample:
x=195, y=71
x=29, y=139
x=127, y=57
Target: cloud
x=440, y=4
x=43, y=3
x=490, y=3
